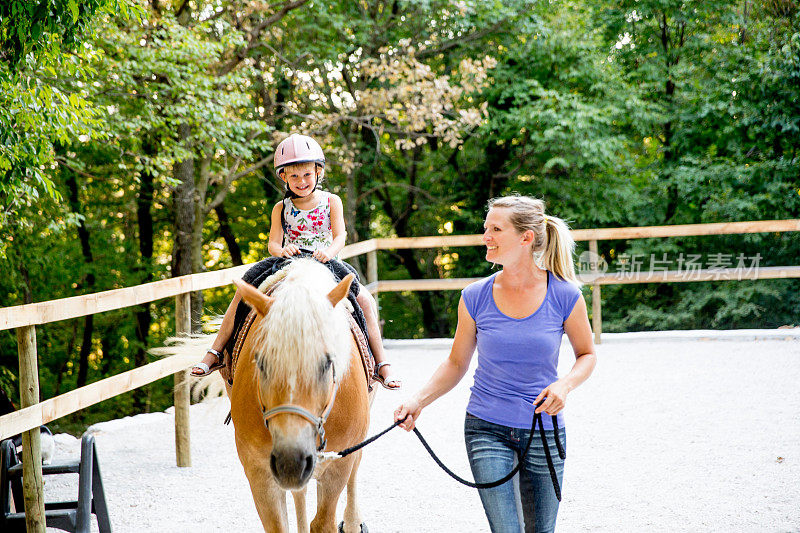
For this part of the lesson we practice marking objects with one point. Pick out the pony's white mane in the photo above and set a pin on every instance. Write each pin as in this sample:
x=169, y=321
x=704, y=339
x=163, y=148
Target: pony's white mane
x=301, y=328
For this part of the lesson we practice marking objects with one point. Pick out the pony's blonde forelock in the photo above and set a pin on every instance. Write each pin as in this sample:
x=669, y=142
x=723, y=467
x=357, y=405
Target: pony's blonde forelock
x=301, y=328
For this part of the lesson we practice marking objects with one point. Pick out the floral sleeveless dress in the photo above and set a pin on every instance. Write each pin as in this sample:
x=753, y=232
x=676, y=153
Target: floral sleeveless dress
x=309, y=229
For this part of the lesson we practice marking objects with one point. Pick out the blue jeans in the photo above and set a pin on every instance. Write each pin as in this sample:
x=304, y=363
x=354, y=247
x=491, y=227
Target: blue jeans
x=492, y=450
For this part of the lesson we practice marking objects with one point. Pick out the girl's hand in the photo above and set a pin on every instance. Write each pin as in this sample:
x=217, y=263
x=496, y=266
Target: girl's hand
x=321, y=256
x=289, y=250
x=556, y=394
x=411, y=409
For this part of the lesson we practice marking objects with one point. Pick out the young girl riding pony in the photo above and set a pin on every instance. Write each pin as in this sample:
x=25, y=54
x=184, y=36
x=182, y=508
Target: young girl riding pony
x=307, y=220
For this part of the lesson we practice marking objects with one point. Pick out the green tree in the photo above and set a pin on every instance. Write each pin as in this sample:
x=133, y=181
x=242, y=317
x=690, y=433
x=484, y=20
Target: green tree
x=40, y=44
x=722, y=76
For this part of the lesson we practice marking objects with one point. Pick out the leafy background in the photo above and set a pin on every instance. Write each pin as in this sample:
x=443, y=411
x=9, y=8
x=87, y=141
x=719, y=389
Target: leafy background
x=136, y=140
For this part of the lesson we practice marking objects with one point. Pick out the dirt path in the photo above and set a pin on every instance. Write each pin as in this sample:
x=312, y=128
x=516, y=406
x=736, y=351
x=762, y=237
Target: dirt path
x=667, y=435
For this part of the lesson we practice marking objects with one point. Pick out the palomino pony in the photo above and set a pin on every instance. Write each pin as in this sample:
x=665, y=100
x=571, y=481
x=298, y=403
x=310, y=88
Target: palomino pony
x=300, y=389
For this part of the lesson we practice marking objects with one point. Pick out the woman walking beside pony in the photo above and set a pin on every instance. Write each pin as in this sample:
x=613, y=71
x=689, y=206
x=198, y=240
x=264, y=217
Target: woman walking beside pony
x=516, y=319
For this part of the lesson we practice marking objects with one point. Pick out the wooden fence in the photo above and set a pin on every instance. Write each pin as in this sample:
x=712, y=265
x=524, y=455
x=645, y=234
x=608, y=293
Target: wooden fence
x=25, y=318
x=596, y=279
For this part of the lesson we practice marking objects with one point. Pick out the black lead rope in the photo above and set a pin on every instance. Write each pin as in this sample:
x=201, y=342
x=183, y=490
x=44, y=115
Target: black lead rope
x=537, y=420
x=370, y=440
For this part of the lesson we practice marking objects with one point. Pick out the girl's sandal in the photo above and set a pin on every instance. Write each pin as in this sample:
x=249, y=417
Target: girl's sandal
x=204, y=368
x=383, y=381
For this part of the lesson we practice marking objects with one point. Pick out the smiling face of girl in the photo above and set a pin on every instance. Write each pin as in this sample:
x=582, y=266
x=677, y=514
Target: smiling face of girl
x=300, y=178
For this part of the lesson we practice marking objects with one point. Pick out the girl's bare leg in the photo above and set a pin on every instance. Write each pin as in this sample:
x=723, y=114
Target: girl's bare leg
x=370, y=308
x=224, y=333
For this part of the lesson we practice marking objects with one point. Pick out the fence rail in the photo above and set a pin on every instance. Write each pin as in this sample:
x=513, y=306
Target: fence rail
x=617, y=278
x=78, y=306
x=70, y=402
x=25, y=318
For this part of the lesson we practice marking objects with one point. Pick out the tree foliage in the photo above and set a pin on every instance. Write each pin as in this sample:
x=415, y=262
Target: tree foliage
x=42, y=45
x=153, y=135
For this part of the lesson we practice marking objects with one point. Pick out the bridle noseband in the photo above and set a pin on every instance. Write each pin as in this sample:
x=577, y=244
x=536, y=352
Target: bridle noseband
x=317, y=421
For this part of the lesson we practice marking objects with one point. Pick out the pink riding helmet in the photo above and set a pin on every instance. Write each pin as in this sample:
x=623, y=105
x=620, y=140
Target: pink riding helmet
x=298, y=149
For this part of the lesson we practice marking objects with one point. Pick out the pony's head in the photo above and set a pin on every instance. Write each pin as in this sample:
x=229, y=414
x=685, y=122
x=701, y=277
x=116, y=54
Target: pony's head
x=302, y=348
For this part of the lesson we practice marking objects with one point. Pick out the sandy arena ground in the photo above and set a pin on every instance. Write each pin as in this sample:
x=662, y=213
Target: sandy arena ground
x=669, y=434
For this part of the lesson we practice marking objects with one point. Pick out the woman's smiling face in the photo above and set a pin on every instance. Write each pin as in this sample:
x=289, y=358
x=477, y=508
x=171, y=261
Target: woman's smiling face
x=300, y=178
x=502, y=240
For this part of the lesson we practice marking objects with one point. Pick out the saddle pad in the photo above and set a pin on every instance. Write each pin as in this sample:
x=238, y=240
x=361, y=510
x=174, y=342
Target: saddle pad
x=232, y=358
x=367, y=361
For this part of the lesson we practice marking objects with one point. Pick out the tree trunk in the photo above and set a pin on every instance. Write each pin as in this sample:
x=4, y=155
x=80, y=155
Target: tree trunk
x=144, y=218
x=183, y=204
x=105, y=345
x=62, y=370
x=86, y=347
x=743, y=25
x=86, y=250
x=227, y=233
x=669, y=44
x=201, y=184
x=186, y=208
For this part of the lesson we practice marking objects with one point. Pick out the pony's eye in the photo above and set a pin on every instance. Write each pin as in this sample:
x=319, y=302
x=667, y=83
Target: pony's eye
x=262, y=365
x=326, y=364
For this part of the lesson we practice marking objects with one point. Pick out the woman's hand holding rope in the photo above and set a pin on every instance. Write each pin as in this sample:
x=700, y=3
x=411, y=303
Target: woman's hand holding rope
x=409, y=411
x=556, y=397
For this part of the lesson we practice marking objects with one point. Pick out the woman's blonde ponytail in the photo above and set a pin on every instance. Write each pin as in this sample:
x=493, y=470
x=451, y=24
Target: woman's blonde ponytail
x=552, y=238
x=560, y=247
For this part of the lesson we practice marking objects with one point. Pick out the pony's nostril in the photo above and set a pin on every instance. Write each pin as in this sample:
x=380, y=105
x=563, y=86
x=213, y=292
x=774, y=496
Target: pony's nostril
x=273, y=464
x=309, y=468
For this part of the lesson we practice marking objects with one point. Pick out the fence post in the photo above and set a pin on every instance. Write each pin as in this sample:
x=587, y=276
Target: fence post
x=32, y=486
x=372, y=277
x=372, y=266
x=183, y=326
x=597, y=317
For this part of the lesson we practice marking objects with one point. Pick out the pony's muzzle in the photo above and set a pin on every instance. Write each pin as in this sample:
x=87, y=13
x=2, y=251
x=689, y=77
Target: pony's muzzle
x=292, y=466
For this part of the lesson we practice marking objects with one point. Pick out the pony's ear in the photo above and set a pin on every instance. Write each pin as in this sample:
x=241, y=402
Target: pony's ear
x=254, y=297
x=340, y=291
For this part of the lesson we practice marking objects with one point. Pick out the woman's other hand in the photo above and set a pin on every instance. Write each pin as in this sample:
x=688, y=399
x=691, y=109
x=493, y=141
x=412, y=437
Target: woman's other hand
x=556, y=394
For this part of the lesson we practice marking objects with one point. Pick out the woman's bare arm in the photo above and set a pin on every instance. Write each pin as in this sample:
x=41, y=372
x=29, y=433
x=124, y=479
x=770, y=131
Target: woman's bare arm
x=449, y=373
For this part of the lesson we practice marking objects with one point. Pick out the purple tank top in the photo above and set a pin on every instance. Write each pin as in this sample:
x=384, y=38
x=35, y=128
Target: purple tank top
x=517, y=357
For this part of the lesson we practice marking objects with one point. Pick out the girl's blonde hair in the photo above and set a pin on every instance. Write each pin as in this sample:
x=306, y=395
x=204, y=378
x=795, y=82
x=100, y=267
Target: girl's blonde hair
x=552, y=237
